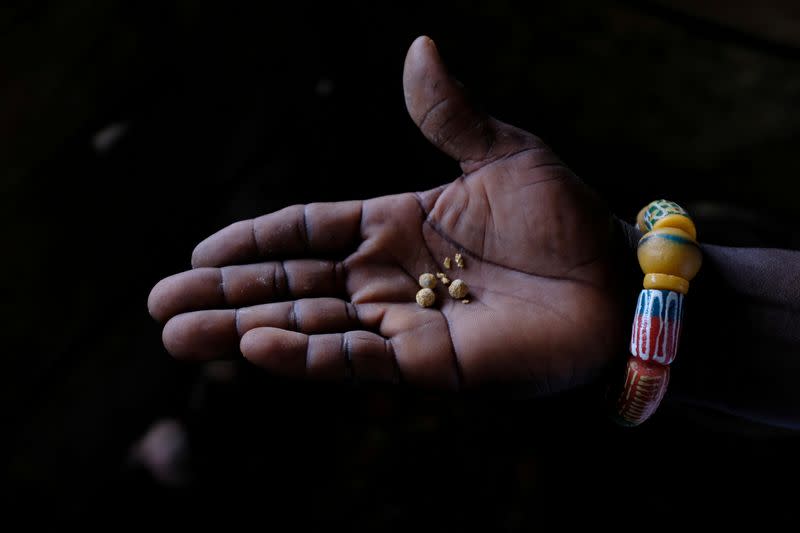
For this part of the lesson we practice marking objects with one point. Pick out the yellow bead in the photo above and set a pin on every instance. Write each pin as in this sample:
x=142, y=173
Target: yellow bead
x=669, y=251
x=667, y=282
x=677, y=221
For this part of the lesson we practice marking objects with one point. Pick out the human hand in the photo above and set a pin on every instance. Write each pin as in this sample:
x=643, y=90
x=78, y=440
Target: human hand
x=327, y=290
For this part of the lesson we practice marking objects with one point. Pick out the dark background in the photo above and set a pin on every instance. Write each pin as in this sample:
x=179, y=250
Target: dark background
x=221, y=111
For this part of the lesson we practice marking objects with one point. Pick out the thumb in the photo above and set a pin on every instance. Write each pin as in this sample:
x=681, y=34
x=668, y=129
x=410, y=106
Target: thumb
x=440, y=108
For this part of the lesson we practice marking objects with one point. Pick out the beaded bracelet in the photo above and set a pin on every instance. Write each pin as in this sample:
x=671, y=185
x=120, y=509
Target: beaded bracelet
x=670, y=257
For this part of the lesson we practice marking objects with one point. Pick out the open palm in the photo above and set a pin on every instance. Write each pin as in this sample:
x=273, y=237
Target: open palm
x=327, y=290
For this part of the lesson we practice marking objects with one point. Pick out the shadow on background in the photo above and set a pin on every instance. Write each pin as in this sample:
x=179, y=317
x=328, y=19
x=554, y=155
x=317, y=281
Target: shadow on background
x=128, y=133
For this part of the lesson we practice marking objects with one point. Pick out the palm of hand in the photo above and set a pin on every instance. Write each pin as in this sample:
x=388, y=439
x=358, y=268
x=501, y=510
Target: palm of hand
x=535, y=240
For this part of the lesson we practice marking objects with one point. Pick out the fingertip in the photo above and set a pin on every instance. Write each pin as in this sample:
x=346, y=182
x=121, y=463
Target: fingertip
x=204, y=254
x=421, y=57
x=421, y=47
x=186, y=291
x=201, y=336
x=423, y=41
x=248, y=344
x=154, y=302
x=230, y=245
x=275, y=349
x=171, y=337
x=198, y=256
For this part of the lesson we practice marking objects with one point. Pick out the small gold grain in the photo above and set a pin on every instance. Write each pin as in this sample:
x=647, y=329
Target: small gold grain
x=447, y=262
x=465, y=301
x=459, y=261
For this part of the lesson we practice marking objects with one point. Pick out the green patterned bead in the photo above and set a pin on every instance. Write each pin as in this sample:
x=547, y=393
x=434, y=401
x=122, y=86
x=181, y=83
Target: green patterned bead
x=665, y=214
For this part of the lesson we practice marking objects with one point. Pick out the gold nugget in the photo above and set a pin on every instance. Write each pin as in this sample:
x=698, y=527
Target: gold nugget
x=458, y=289
x=459, y=261
x=425, y=297
x=447, y=262
x=427, y=280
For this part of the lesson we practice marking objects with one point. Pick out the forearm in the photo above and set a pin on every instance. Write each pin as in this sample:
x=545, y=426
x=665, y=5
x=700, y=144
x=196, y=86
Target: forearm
x=741, y=341
x=740, y=346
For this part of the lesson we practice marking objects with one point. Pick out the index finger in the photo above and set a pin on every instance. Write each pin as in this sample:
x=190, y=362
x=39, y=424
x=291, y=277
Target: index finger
x=298, y=230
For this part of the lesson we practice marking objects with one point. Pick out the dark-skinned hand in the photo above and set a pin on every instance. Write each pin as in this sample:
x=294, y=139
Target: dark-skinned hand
x=327, y=290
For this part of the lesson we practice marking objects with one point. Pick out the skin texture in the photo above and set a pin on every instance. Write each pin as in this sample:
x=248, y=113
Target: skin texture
x=327, y=290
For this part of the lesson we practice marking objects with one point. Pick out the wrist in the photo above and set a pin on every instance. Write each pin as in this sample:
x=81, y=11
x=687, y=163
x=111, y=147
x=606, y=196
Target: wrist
x=626, y=283
x=629, y=278
x=630, y=275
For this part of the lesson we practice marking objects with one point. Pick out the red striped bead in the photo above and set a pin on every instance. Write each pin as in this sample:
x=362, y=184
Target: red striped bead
x=657, y=326
x=645, y=385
